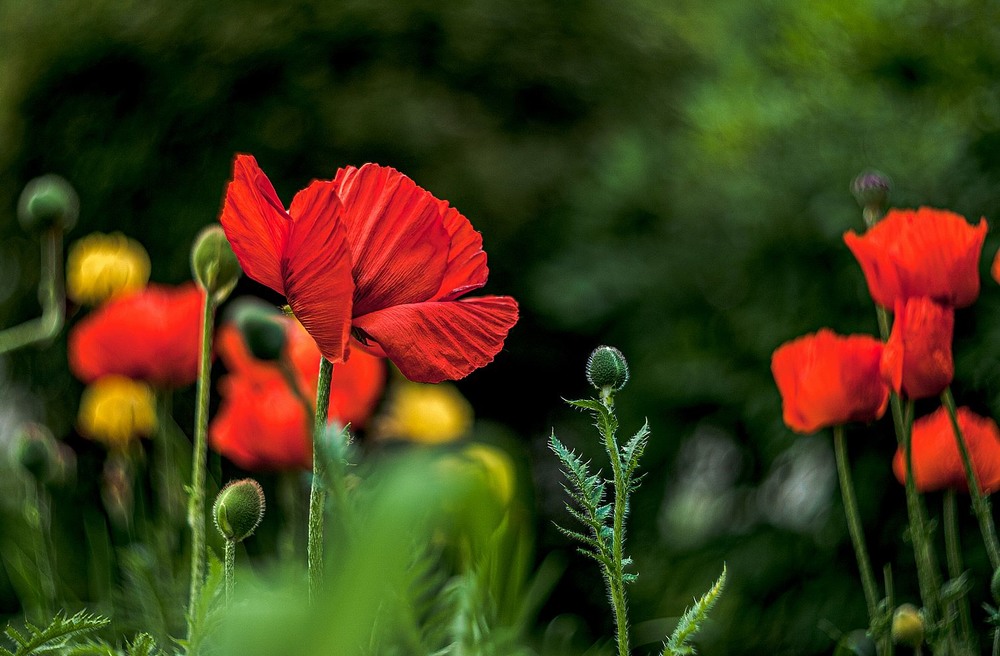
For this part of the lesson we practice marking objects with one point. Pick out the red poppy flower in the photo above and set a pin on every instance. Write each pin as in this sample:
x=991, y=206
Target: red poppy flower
x=152, y=336
x=937, y=464
x=373, y=255
x=924, y=252
x=825, y=380
x=261, y=424
x=917, y=359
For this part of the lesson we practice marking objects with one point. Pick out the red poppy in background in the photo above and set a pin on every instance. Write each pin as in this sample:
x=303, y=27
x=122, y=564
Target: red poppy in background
x=151, y=335
x=826, y=380
x=937, y=464
x=924, y=252
x=261, y=424
x=917, y=360
x=409, y=257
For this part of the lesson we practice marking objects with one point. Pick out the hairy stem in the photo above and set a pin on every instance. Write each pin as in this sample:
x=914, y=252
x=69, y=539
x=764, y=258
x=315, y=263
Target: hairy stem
x=616, y=574
x=317, y=493
x=196, y=502
x=953, y=552
x=230, y=570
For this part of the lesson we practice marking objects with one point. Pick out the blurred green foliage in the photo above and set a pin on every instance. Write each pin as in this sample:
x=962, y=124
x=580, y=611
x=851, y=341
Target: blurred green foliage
x=671, y=178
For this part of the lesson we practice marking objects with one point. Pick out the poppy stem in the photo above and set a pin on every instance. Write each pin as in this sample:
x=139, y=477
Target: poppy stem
x=51, y=296
x=230, y=570
x=953, y=551
x=616, y=573
x=888, y=646
x=980, y=504
x=854, y=525
x=196, y=502
x=317, y=493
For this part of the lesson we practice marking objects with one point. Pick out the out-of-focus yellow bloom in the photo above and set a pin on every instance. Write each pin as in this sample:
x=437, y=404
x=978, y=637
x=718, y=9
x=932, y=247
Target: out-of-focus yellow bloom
x=497, y=468
x=115, y=410
x=101, y=266
x=428, y=414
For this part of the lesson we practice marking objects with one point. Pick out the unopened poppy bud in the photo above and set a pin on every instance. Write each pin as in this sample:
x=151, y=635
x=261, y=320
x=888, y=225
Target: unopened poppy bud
x=607, y=369
x=261, y=327
x=908, y=626
x=46, y=202
x=36, y=451
x=214, y=264
x=871, y=189
x=239, y=509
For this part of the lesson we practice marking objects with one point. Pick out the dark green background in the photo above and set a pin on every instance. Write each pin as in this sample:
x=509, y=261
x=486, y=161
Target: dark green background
x=668, y=177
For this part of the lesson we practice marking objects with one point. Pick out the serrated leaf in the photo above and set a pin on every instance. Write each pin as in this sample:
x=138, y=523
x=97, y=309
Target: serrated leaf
x=690, y=622
x=57, y=634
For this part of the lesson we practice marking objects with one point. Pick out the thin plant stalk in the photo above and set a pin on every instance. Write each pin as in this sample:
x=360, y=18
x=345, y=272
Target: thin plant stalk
x=230, y=570
x=888, y=646
x=317, y=493
x=196, y=502
x=854, y=524
x=928, y=577
x=37, y=515
x=615, y=573
x=980, y=504
x=953, y=551
x=51, y=296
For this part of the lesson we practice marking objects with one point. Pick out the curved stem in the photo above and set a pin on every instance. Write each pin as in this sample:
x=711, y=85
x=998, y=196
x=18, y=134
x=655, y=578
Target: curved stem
x=616, y=574
x=196, y=502
x=317, y=493
x=854, y=524
x=980, y=504
x=51, y=296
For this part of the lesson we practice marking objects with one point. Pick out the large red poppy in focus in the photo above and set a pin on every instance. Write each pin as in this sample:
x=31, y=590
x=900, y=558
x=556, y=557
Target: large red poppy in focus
x=371, y=254
x=152, y=336
x=826, y=379
x=261, y=424
x=937, y=464
x=924, y=252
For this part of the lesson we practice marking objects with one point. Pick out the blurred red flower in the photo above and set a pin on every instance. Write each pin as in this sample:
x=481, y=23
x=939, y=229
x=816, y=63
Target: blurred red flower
x=151, y=335
x=261, y=424
x=924, y=252
x=917, y=360
x=937, y=464
x=826, y=379
x=374, y=256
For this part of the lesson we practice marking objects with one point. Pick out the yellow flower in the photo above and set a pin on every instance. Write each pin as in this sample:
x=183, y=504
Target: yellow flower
x=115, y=410
x=497, y=468
x=429, y=414
x=101, y=266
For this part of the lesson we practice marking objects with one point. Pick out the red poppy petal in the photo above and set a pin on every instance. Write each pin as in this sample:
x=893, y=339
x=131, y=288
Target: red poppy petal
x=317, y=269
x=255, y=223
x=431, y=342
x=466, y=269
x=399, y=244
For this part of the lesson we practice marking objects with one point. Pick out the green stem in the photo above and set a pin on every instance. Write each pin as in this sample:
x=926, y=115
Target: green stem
x=317, y=493
x=196, y=502
x=888, y=646
x=953, y=551
x=37, y=516
x=928, y=578
x=230, y=570
x=854, y=525
x=291, y=512
x=616, y=574
x=980, y=504
x=51, y=296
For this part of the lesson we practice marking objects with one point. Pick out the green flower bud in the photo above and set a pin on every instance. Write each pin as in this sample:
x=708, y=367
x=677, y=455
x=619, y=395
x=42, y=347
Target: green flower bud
x=871, y=189
x=239, y=509
x=261, y=327
x=36, y=449
x=47, y=202
x=908, y=626
x=607, y=369
x=213, y=263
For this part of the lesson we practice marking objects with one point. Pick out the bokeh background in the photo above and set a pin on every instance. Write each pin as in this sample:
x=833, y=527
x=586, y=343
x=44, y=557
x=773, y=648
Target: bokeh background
x=668, y=177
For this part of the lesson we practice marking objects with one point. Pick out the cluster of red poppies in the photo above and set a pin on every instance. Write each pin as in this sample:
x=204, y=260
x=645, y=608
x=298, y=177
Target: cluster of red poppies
x=921, y=265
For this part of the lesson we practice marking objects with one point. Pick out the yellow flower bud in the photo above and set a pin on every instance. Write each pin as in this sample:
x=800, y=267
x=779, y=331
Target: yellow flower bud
x=908, y=626
x=100, y=267
x=115, y=410
x=428, y=414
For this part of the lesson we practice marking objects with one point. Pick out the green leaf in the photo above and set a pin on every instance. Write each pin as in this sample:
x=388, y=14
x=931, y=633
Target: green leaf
x=56, y=636
x=690, y=622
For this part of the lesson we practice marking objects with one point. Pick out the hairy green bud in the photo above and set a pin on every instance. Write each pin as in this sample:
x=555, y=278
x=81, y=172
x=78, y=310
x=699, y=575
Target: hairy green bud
x=261, y=327
x=213, y=263
x=47, y=202
x=239, y=509
x=607, y=369
x=908, y=626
